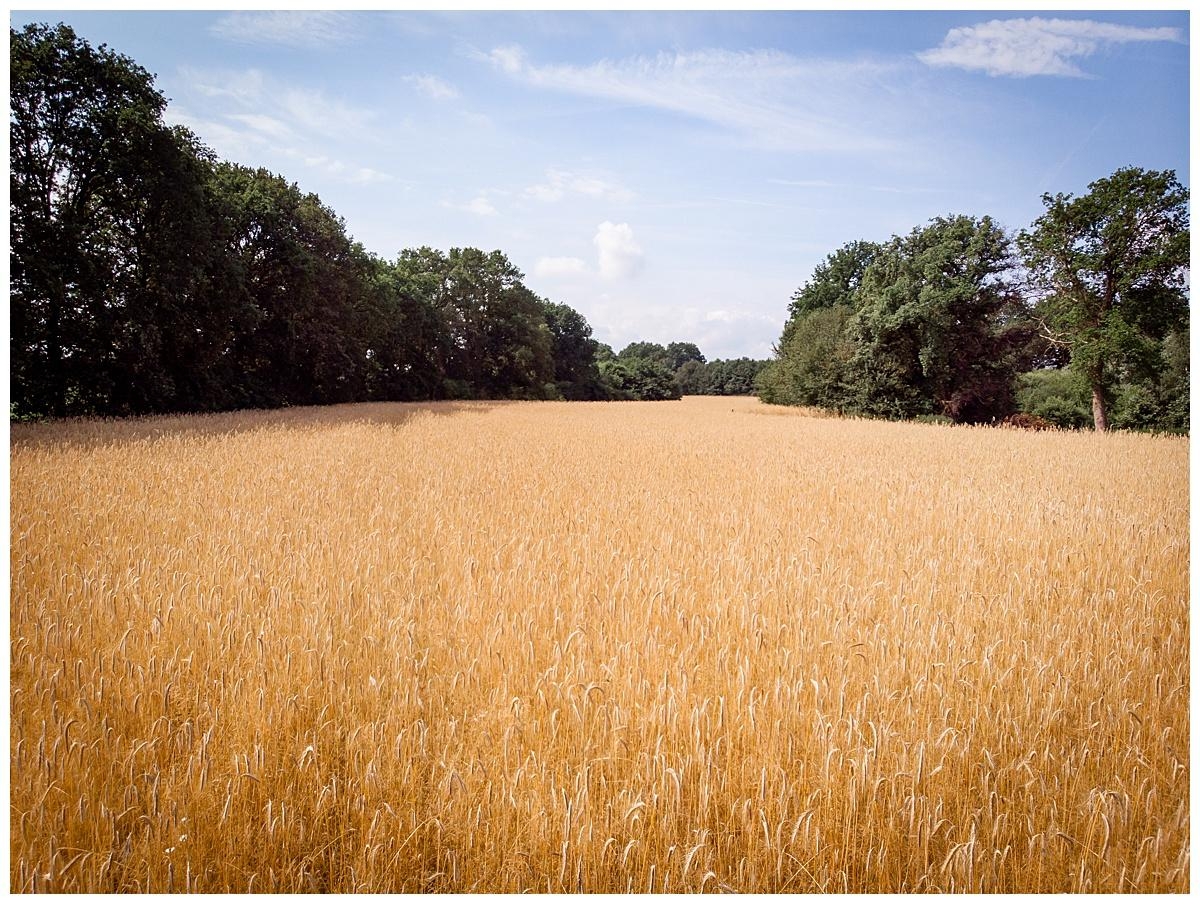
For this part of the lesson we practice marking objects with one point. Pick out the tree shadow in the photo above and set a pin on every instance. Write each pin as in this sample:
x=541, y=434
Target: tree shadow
x=95, y=432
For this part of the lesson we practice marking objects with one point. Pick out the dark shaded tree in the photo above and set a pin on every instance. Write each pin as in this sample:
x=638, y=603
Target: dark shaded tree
x=120, y=296
x=498, y=344
x=835, y=280
x=304, y=282
x=679, y=353
x=642, y=379
x=576, y=372
x=648, y=351
x=940, y=328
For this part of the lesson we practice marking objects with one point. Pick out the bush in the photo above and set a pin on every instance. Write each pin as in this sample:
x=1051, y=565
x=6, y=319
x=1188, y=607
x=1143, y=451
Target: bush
x=1056, y=395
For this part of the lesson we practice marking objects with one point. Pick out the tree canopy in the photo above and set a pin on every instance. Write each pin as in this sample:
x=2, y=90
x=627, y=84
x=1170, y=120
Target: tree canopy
x=147, y=275
x=928, y=324
x=1111, y=268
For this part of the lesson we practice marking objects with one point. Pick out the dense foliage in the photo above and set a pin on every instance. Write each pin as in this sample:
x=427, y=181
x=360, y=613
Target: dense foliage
x=927, y=324
x=1111, y=269
x=148, y=276
x=946, y=322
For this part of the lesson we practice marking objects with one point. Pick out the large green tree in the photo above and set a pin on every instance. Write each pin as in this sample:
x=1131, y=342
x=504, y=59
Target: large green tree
x=498, y=344
x=940, y=327
x=576, y=373
x=811, y=356
x=1111, y=268
x=118, y=285
x=305, y=284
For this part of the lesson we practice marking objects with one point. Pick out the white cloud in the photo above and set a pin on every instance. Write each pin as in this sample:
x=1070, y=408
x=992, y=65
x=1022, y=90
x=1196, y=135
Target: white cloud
x=267, y=125
x=768, y=97
x=364, y=175
x=243, y=86
x=480, y=206
x=857, y=186
x=510, y=59
x=719, y=332
x=433, y=87
x=1025, y=47
x=620, y=254
x=558, y=267
x=344, y=172
x=262, y=99
x=559, y=183
x=250, y=115
x=291, y=29
x=312, y=111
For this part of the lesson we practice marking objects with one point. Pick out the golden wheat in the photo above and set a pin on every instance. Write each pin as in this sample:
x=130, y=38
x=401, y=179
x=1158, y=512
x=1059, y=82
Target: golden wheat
x=596, y=647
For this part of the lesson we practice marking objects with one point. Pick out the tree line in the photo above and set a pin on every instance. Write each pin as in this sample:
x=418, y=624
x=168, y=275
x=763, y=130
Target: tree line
x=1080, y=320
x=149, y=276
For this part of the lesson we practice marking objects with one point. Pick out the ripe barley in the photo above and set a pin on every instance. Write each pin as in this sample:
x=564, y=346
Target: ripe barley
x=596, y=647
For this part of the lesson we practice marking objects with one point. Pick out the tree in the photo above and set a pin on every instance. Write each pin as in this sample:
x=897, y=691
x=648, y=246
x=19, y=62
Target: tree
x=836, y=280
x=648, y=351
x=940, y=328
x=573, y=349
x=403, y=334
x=810, y=359
x=109, y=313
x=306, y=286
x=497, y=341
x=1111, y=267
x=679, y=353
x=643, y=379
x=689, y=378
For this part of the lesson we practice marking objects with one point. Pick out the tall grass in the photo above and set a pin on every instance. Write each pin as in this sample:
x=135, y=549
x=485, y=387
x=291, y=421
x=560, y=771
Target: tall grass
x=596, y=647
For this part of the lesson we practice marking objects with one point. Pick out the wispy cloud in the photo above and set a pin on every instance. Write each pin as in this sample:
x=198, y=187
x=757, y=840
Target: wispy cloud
x=620, y=256
x=1026, y=47
x=260, y=99
x=358, y=175
x=479, y=205
x=267, y=125
x=560, y=183
x=250, y=114
x=307, y=30
x=559, y=267
x=768, y=97
x=858, y=186
x=433, y=87
x=242, y=86
x=510, y=59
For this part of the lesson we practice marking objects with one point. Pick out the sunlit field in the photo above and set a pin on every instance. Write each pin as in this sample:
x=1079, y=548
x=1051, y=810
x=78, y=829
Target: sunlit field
x=596, y=647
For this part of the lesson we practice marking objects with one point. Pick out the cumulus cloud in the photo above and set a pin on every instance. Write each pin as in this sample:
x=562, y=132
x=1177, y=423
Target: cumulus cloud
x=620, y=256
x=558, y=267
x=560, y=183
x=1026, y=47
x=303, y=29
x=433, y=87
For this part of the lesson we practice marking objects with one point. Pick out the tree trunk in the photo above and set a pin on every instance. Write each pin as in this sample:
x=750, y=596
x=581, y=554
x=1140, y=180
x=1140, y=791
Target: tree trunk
x=1099, y=409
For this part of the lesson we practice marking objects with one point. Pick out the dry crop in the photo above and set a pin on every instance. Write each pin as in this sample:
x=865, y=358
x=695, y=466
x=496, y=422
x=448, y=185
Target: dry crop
x=691, y=646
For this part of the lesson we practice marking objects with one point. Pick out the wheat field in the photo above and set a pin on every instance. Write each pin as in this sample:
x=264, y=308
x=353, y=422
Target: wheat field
x=570, y=647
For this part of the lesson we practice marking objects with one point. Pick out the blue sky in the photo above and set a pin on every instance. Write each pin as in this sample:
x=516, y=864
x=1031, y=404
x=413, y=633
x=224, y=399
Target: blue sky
x=672, y=176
